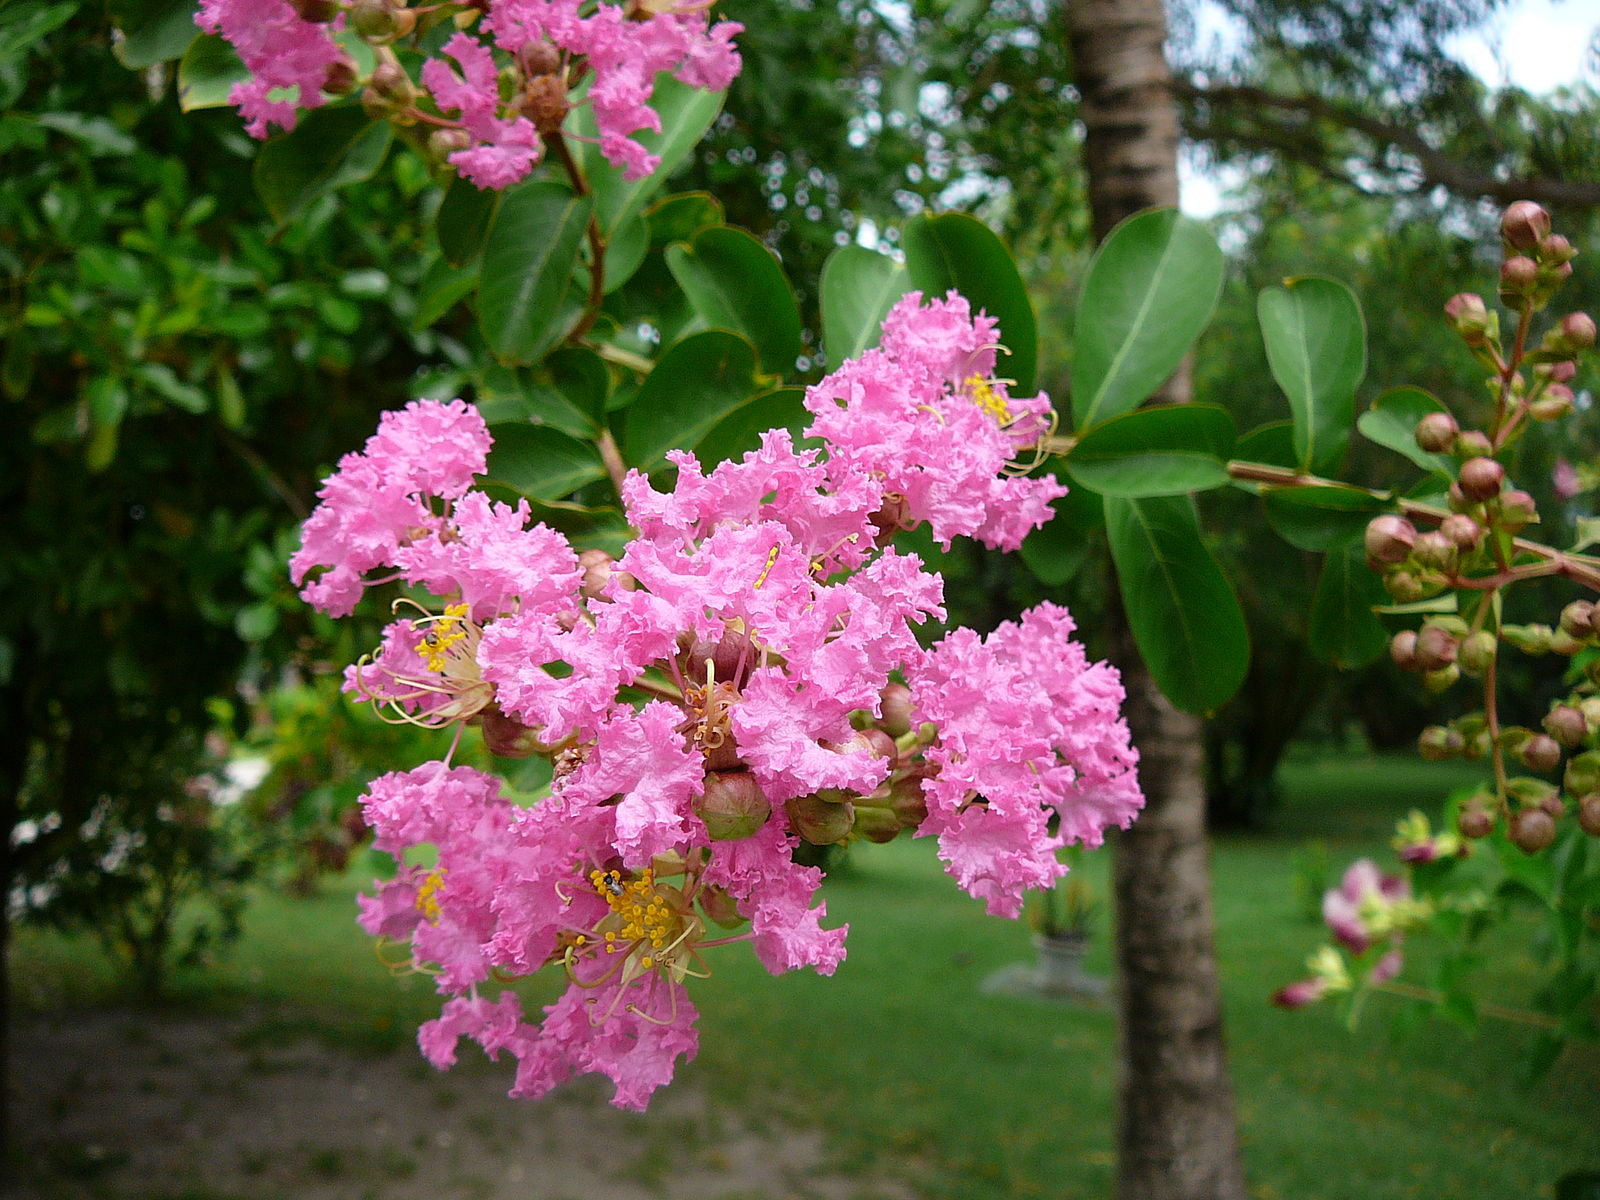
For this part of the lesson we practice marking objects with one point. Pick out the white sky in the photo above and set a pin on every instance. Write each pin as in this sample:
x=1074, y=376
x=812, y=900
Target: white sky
x=1537, y=45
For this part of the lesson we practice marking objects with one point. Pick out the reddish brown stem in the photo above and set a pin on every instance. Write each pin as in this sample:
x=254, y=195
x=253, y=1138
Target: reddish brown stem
x=597, y=245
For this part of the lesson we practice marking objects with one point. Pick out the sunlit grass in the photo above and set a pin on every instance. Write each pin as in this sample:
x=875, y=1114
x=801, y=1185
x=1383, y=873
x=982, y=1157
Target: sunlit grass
x=913, y=1071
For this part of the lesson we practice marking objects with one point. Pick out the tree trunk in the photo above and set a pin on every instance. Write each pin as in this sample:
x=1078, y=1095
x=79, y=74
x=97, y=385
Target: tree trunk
x=1177, y=1136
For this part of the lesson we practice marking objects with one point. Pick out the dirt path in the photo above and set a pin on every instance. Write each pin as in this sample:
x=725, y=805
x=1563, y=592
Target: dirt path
x=156, y=1106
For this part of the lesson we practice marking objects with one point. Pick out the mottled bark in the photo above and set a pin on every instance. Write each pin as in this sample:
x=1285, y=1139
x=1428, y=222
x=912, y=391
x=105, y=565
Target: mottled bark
x=1177, y=1135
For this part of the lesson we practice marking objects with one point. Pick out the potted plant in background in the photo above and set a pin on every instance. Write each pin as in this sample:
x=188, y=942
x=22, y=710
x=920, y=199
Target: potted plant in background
x=1062, y=919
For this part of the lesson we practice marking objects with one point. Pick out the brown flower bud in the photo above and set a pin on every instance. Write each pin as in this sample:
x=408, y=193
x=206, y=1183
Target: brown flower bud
x=391, y=82
x=907, y=801
x=1439, y=742
x=1389, y=539
x=1553, y=405
x=1464, y=533
x=1524, y=225
x=820, y=821
x=1403, y=649
x=1481, y=478
x=1578, y=330
x=340, y=79
x=540, y=58
x=1540, y=753
x=1531, y=830
x=1404, y=586
x=1477, y=652
x=1567, y=725
x=1578, y=619
x=375, y=20
x=1582, y=774
x=1565, y=643
x=1517, y=510
x=719, y=906
x=1437, y=432
x=1436, y=647
x=1589, y=814
x=1434, y=551
x=1475, y=819
x=544, y=102
x=896, y=698
x=1556, y=251
x=442, y=143
x=879, y=743
x=1519, y=278
x=733, y=806
x=507, y=737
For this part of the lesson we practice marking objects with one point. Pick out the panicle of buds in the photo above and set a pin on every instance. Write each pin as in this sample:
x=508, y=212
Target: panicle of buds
x=1437, y=432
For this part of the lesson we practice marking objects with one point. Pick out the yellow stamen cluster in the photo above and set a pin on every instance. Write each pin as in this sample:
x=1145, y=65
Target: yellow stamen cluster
x=443, y=633
x=643, y=917
x=986, y=397
x=428, y=895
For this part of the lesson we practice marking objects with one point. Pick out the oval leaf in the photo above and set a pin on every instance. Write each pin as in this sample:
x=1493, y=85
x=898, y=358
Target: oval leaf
x=1148, y=293
x=859, y=287
x=740, y=431
x=1317, y=348
x=540, y=462
x=1392, y=423
x=1344, y=629
x=329, y=148
x=1162, y=451
x=441, y=287
x=207, y=72
x=734, y=282
x=1181, y=608
x=1319, y=518
x=1272, y=444
x=956, y=250
x=685, y=112
x=465, y=216
x=1057, y=550
x=528, y=259
x=696, y=383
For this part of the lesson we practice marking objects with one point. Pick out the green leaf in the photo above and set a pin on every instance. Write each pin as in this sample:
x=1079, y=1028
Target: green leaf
x=568, y=390
x=685, y=112
x=734, y=282
x=153, y=31
x=956, y=250
x=1316, y=344
x=625, y=252
x=1271, y=444
x=1319, y=518
x=96, y=134
x=1057, y=550
x=23, y=25
x=528, y=259
x=1181, y=608
x=678, y=217
x=442, y=286
x=1392, y=423
x=465, y=215
x=1343, y=629
x=1148, y=293
x=329, y=148
x=740, y=431
x=207, y=73
x=541, y=462
x=1163, y=451
x=859, y=287
x=695, y=384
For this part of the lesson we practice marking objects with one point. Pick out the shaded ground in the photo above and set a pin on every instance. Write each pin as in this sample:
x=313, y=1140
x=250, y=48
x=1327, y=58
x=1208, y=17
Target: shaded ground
x=126, y=1105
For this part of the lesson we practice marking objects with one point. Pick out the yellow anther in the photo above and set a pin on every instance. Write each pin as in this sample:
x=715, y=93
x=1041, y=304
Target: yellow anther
x=772, y=558
x=987, y=398
x=428, y=895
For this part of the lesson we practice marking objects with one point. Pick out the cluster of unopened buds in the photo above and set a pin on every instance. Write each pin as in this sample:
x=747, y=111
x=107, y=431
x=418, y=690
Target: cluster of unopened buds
x=492, y=79
x=744, y=677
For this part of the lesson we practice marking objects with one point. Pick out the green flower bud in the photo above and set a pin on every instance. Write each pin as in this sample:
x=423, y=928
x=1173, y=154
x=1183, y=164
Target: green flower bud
x=1464, y=533
x=1441, y=679
x=1519, y=279
x=1577, y=619
x=1436, y=647
x=1404, y=586
x=1530, y=639
x=1437, y=431
x=1438, y=743
x=820, y=821
x=1582, y=774
x=1435, y=551
x=733, y=806
x=1389, y=539
x=1474, y=443
x=1517, y=511
x=1577, y=331
x=877, y=825
x=896, y=698
x=1477, y=652
x=719, y=907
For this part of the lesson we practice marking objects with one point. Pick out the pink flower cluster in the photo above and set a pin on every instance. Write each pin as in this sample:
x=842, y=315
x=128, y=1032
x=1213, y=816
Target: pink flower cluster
x=744, y=677
x=288, y=58
x=1367, y=914
x=557, y=52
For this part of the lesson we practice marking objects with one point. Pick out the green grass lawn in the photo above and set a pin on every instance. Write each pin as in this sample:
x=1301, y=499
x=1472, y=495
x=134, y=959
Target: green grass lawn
x=912, y=1070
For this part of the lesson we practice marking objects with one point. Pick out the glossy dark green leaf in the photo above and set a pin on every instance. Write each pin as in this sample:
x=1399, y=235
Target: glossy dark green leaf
x=442, y=286
x=1271, y=444
x=153, y=31
x=678, y=217
x=740, y=431
x=695, y=384
x=1392, y=423
x=465, y=216
x=528, y=260
x=956, y=250
x=734, y=282
x=685, y=112
x=1319, y=518
x=1343, y=628
x=1148, y=293
x=329, y=148
x=541, y=462
x=1316, y=343
x=1057, y=550
x=1182, y=610
x=859, y=287
x=625, y=252
x=207, y=73
x=568, y=390
x=23, y=25
x=1163, y=451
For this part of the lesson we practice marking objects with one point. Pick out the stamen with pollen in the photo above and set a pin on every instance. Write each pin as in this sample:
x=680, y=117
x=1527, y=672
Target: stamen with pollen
x=449, y=650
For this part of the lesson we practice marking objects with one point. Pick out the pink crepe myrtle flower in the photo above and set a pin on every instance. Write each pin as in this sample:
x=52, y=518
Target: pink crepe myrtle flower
x=1361, y=909
x=288, y=58
x=710, y=698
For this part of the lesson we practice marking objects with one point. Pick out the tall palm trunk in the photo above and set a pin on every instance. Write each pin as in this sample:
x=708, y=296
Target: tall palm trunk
x=1176, y=1131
